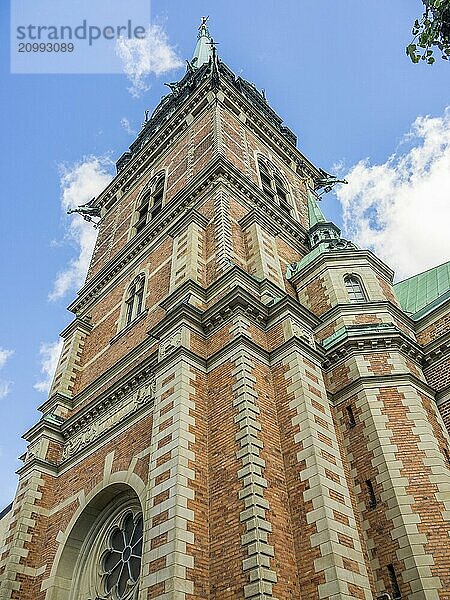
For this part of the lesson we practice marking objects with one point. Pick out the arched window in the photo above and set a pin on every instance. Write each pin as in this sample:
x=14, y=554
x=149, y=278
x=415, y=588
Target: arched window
x=150, y=202
x=102, y=555
x=134, y=300
x=273, y=184
x=354, y=289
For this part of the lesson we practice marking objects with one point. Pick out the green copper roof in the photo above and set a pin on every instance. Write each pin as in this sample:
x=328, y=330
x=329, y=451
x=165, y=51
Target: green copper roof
x=203, y=49
x=308, y=258
x=418, y=295
x=315, y=213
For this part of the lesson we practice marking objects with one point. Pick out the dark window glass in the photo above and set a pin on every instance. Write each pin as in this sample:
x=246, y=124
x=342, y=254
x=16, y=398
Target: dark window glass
x=273, y=185
x=134, y=300
x=395, y=588
x=351, y=416
x=129, y=311
x=371, y=492
x=151, y=204
x=142, y=212
x=354, y=289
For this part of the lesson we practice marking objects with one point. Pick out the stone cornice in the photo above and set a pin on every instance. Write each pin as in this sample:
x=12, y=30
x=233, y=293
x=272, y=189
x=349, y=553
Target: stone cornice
x=377, y=381
x=437, y=350
x=288, y=306
x=296, y=343
x=287, y=227
x=437, y=313
x=276, y=228
x=55, y=400
x=78, y=323
x=443, y=396
x=193, y=216
x=238, y=298
x=363, y=339
x=366, y=308
x=229, y=350
x=38, y=464
x=243, y=288
x=235, y=275
x=341, y=256
x=144, y=367
x=106, y=400
x=49, y=426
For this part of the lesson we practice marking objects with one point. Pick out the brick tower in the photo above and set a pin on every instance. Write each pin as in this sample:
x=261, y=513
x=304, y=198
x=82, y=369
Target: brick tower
x=243, y=407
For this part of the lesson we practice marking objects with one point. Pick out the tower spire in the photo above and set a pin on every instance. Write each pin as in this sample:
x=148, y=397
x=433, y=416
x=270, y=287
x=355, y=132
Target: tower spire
x=315, y=213
x=203, y=50
x=320, y=229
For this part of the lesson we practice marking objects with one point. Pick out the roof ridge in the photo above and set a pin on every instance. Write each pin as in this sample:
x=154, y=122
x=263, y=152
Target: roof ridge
x=423, y=272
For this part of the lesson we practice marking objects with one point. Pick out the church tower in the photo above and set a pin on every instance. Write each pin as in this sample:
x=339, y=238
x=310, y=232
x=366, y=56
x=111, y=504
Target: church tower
x=240, y=409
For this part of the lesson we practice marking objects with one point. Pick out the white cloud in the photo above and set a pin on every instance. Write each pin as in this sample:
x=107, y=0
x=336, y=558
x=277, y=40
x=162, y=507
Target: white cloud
x=5, y=386
x=49, y=353
x=142, y=57
x=127, y=126
x=79, y=184
x=401, y=209
x=4, y=355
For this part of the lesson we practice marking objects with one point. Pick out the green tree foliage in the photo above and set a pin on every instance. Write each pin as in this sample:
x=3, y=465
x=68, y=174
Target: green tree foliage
x=431, y=32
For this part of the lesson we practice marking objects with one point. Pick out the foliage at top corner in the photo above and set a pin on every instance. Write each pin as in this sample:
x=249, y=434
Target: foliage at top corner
x=431, y=32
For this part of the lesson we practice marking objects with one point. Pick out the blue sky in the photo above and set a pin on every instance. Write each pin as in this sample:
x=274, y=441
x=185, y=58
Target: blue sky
x=335, y=70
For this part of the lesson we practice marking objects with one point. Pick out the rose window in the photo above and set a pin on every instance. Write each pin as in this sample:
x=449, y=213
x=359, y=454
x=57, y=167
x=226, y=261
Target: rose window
x=121, y=562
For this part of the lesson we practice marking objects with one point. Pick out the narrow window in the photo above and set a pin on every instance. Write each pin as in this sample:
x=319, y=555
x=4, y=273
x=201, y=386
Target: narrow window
x=273, y=185
x=134, y=300
x=150, y=203
x=351, y=416
x=395, y=589
x=447, y=455
x=142, y=211
x=371, y=492
x=354, y=289
x=158, y=194
x=282, y=194
x=129, y=310
x=266, y=180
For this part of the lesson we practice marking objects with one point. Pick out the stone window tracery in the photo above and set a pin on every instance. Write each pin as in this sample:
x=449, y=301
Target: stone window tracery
x=121, y=560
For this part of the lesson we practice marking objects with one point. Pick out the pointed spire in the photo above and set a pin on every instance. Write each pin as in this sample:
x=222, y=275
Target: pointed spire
x=315, y=213
x=203, y=50
x=320, y=230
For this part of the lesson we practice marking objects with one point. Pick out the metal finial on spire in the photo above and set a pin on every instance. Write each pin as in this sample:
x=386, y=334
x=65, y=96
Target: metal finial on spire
x=203, y=50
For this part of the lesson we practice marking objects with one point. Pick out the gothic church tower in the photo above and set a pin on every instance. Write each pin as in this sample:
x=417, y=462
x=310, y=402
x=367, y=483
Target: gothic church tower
x=243, y=408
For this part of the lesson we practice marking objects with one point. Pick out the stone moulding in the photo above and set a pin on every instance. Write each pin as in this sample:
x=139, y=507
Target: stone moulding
x=104, y=417
x=364, y=338
x=129, y=390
